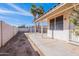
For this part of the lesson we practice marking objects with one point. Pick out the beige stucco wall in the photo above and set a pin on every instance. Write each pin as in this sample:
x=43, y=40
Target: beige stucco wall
x=15, y=30
x=0, y=34
x=8, y=32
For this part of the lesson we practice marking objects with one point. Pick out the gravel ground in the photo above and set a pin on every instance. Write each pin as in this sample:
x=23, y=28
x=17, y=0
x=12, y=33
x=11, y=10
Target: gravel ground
x=19, y=45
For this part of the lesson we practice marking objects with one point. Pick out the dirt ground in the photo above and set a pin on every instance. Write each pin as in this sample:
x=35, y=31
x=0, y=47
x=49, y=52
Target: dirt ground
x=19, y=45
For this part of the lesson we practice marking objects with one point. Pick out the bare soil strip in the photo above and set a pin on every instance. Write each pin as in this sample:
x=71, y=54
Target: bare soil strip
x=19, y=45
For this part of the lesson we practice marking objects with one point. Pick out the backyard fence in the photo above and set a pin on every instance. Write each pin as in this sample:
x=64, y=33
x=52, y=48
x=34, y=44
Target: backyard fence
x=6, y=32
x=31, y=29
x=23, y=30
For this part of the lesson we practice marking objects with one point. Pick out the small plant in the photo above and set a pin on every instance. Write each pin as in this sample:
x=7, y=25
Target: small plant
x=74, y=19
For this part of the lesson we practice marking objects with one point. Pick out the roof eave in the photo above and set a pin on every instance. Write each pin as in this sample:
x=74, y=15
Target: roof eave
x=60, y=5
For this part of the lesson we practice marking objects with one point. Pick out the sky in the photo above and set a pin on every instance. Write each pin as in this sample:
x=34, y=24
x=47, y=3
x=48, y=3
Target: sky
x=19, y=14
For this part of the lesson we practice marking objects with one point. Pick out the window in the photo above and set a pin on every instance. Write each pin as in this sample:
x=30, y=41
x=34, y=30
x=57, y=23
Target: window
x=59, y=23
x=52, y=24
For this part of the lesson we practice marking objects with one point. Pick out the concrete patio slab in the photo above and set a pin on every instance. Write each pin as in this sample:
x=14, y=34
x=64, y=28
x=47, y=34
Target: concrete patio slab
x=52, y=47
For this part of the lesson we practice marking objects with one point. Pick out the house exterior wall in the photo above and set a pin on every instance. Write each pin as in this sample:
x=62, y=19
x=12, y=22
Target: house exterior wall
x=49, y=33
x=61, y=34
x=66, y=33
x=64, y=10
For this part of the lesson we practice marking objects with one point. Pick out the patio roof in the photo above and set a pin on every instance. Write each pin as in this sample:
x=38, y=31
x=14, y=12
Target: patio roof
x=57, y=10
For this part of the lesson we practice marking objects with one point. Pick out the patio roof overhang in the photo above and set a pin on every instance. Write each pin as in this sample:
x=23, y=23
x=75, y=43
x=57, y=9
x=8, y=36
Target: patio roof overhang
x=57, y=10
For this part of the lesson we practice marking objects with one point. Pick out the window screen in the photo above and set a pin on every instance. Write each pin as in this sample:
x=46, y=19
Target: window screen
x=59, y=23
x=52, y=24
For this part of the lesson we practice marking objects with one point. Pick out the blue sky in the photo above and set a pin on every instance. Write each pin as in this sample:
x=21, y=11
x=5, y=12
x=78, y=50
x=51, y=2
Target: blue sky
x=19, y=14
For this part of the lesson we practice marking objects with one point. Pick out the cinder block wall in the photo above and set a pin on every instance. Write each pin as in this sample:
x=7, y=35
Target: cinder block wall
x=6, y=32
x=23, y=29
x=0, y=33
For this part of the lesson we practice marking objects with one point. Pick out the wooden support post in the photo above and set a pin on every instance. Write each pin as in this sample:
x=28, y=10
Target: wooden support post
x=42, y=29
x=35, y=27
x=39, y=27
x=54, y=23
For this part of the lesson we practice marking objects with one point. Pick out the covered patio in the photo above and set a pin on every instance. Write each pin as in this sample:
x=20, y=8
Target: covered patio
x=41, y=27
x=58, y=21
x=56, y=42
